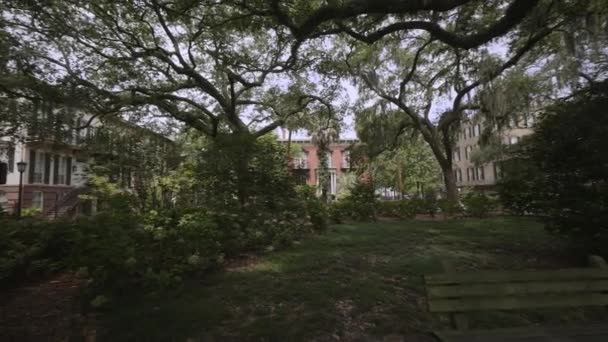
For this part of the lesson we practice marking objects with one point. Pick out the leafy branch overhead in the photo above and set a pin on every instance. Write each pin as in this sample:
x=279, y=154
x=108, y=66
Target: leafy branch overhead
x=370, y=21
x=211, y=66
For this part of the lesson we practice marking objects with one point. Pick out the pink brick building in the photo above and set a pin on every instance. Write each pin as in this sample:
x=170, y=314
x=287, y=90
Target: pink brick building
x=306, y=162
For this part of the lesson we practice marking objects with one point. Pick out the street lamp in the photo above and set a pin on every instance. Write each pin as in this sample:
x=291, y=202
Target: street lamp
x=21, y=168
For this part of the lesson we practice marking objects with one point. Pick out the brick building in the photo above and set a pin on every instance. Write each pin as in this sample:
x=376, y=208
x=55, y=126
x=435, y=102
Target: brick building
x=306, y=163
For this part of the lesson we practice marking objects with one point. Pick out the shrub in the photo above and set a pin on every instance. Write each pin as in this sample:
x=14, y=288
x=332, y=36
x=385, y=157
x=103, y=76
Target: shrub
x=314, y=209
x=408, y=208
x=428, y=204
x=402, y=208
x=478, y=204
x=388, y=208
x=449, y=208
x=154, y=252
x=30, y=249
x=568, y=157
x=363, y=199
x=340, y=210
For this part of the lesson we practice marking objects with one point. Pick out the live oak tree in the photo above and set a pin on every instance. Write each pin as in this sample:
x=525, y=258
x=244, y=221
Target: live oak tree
x=397, y=160
x=208, y=64
x=431, y=63
x=234, y=66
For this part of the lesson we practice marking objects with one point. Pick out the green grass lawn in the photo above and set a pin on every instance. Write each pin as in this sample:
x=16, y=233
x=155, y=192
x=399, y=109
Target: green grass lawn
x=356, y=281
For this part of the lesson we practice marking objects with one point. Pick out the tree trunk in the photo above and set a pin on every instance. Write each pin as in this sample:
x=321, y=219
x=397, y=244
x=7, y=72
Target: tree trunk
x=449, y=180
x=399, y=181
x=289, y=158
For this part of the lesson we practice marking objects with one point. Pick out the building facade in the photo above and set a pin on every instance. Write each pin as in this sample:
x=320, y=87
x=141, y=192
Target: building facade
x=50, y=146
x=306, y=164
x=466, y=172
x=58, y=149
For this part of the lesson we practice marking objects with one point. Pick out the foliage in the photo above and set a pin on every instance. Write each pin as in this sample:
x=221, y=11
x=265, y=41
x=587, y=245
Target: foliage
x=407, y=166
x=429, y=203
x=30, y=212
x=406, y=209
x=568, y=160
x=340, y=210
x=449, y=208
x=478, y=204
x=345, y=183
x=119, y=253
x=376, y=261
x=363, y=199
x=323, y=132
x=30, y=249
x=135, y=158
x=518, y=177
x=108, y=195
x=315, y=209
x=244, y=183
x=211, y=66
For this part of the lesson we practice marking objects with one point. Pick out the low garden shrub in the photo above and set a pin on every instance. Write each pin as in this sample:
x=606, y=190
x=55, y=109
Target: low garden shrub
x=341, y=210
x=30, y=249
x=405, y=208
x=364, y=201
x=478, y=204
x=314, y=209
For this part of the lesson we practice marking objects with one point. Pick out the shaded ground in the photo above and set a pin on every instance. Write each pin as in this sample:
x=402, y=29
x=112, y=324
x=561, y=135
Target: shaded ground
x=45, y=311
x=357, y=282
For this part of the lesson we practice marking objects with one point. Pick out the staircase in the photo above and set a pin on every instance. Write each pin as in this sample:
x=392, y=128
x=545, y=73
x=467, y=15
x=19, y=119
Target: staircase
x=66, y=205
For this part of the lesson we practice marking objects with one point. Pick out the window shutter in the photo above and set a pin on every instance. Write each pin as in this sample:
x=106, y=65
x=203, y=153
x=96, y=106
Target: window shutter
x=11, y=159
x=55, y=169
x=32, y=166
x=47, y=168
x=68, y=173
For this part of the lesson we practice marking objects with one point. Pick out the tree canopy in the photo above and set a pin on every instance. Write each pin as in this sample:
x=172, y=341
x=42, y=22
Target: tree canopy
x=244, y=66
x=210, y=65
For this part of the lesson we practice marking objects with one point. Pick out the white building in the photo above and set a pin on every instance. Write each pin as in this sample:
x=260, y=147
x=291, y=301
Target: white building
x=56, y=172
x=466, y=172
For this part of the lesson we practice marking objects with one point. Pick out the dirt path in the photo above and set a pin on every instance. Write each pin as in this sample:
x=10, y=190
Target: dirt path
x=45, y=311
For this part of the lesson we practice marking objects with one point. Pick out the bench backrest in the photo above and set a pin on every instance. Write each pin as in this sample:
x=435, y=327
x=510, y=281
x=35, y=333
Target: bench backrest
x=510, y=290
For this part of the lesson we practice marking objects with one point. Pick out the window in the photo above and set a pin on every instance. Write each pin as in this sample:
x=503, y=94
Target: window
x=81, y=133
x=530, y=120
x=469, y=177
x=496, y=170
x=470, y=129
x=301, y=161
x=61, y=170
x=477, y=130
x=457, y=154
x=38, y=200
x=480, y=174
x=345, y=159
x=513, y=140
x=458, y=175
x=467, y=152
x=329, y=161
x=11, y=159
x=38, y=167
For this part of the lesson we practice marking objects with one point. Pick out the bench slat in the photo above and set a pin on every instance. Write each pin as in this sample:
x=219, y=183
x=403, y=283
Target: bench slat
x=521, y=288
x=520, y=302
x=579, y=334
x=516, y=276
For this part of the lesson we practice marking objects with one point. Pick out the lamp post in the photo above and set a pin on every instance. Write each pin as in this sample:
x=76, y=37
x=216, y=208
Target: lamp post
x=21, y=168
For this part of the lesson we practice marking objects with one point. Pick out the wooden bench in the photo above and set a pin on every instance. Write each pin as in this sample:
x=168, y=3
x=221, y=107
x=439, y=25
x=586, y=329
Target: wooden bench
x=456, y=293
